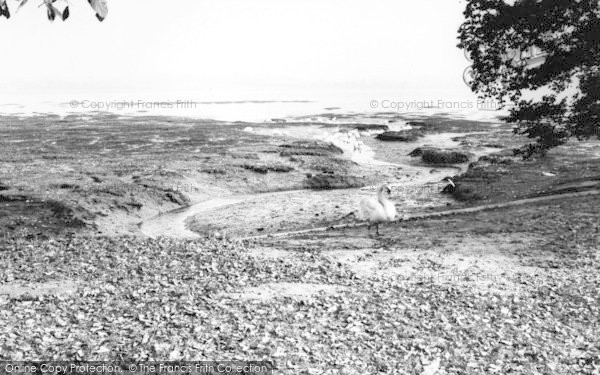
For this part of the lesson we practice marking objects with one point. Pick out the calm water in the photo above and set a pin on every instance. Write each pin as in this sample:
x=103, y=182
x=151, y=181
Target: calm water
x=257, y=106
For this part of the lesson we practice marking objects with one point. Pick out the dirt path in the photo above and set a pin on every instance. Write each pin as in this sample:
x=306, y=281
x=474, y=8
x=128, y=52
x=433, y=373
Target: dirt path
x=237, y=216
x=467, y=210
x=173, y=223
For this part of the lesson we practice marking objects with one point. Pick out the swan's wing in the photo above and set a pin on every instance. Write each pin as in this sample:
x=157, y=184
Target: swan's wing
x=390, y=210
x=372, y=210
x=368, y=205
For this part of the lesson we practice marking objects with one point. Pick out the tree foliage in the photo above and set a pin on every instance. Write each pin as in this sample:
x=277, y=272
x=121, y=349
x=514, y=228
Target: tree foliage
x=567, y=81
x=53, y=8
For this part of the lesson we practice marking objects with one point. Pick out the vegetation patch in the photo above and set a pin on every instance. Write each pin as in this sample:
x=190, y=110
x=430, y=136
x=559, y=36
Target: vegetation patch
x=371, y=127
x=432, y=155
x=328, y=181
x=441, y=124
x=308, y=148
x=217, y=171
x=65, y=186
x=178, y=198
x=30, y=215
x=497, y=177
x=400, y=136
x=497, y=159
x=266, y=168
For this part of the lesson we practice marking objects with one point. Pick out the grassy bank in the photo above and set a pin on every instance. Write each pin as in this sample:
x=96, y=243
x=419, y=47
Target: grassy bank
x=504, y=177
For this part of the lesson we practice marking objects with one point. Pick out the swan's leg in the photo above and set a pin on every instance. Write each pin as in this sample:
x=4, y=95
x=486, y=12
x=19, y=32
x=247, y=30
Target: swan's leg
x=377, y=227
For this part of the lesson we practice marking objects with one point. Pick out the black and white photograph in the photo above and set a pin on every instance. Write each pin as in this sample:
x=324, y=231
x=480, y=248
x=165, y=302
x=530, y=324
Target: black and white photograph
x=326, y=187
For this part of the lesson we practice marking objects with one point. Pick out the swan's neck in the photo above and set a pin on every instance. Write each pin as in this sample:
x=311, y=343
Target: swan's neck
x=381, y=198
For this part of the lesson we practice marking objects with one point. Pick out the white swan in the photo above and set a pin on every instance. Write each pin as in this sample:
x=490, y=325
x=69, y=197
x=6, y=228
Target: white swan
x=378, y=209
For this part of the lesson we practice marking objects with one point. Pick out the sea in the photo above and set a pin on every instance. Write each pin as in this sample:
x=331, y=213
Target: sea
x=255, y=106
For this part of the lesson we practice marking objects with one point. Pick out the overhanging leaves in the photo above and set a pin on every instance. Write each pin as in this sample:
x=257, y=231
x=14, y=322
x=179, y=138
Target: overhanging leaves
x=568, y=32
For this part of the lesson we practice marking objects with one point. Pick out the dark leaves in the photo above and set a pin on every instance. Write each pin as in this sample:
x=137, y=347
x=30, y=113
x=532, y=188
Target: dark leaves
x=568, y=34
x=4, y=11
x=101, y=8
x=52, y=11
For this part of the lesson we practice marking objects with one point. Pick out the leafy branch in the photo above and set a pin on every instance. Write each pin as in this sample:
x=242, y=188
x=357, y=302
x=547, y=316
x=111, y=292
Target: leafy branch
x=569, y=76
x=53, y=8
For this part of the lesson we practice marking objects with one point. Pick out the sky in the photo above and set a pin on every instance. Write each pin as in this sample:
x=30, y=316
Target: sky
x=228, y=49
